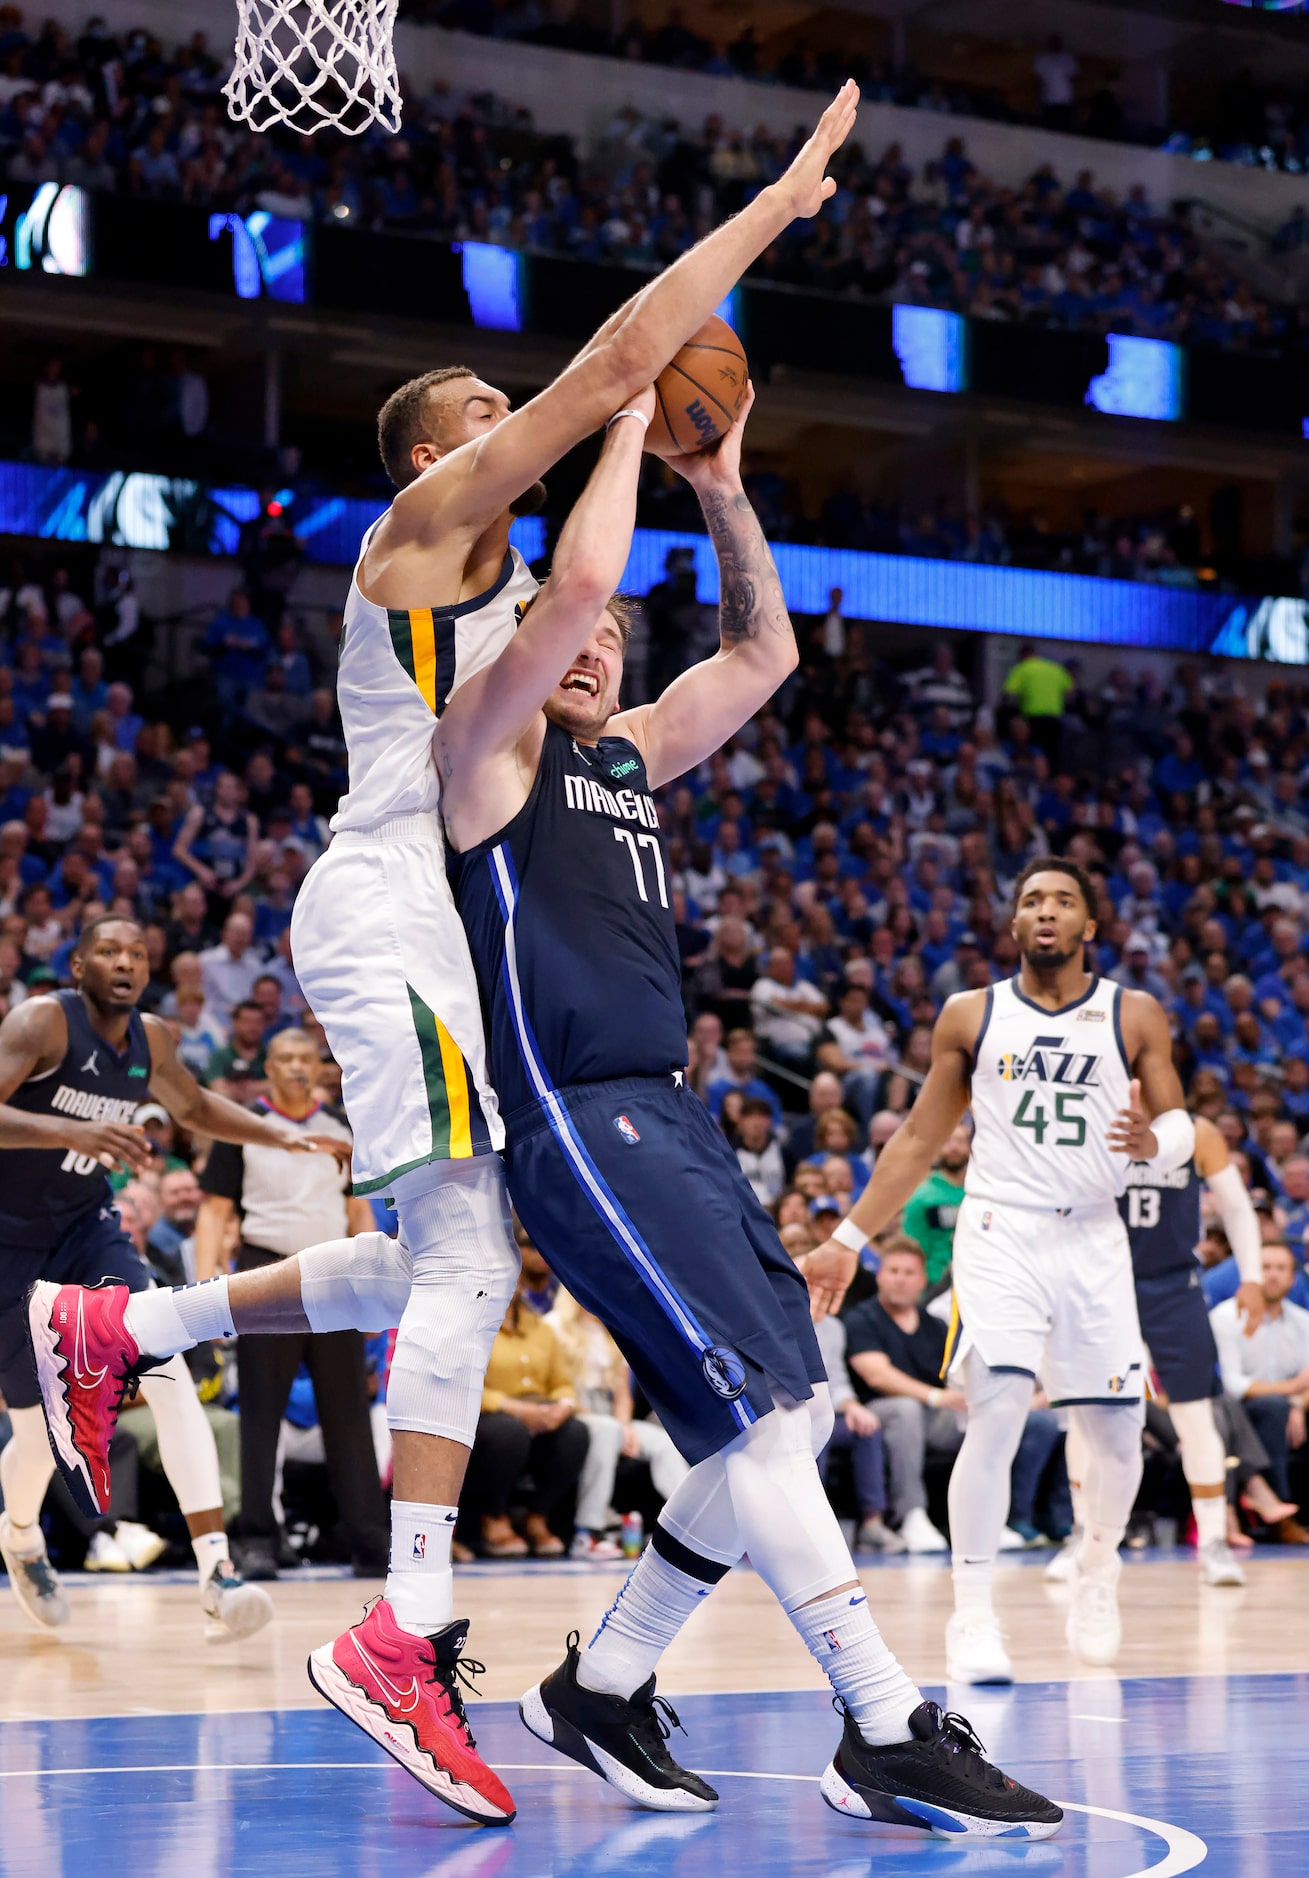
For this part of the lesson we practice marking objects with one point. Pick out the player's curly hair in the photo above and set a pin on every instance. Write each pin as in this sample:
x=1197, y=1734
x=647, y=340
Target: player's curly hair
x=404, y=420
x=1057, y=864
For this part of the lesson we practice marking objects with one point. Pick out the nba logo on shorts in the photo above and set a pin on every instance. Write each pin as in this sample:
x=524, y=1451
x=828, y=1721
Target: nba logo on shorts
x=420, y=1545
x=986, y=1222
x=625, y=1128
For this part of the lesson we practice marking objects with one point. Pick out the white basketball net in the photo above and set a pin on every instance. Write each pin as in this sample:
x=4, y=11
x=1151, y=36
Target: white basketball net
x=314, y=63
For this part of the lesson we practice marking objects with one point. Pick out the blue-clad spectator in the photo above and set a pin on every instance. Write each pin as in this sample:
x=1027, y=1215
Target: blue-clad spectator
x=238, y=647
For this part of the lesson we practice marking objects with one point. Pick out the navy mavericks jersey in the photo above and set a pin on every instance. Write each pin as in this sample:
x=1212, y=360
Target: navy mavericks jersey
x=569, y=919
x=42, y=1190
x=1162, y=1216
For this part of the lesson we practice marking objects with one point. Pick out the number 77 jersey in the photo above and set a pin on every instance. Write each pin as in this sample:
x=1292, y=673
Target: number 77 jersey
x=1046, y=1086
x=568, y=911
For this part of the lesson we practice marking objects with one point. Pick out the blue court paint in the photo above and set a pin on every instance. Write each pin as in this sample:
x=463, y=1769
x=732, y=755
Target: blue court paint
x=1164, y=1767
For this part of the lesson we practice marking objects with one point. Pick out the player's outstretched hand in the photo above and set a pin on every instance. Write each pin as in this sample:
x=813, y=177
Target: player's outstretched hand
x=1130, y=1132
x=113, y=1144
x=720, y=462
x=806, y=183
x=828, y=1272
x=1250, y=1305
x=319, y=1144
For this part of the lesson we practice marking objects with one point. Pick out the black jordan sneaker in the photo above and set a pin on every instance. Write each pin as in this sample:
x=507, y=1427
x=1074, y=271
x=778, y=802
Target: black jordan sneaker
x=938, y=1781
x=623, y=1739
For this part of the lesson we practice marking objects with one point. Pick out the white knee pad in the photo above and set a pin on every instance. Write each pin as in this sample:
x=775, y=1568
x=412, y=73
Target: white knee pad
x=458, y=1229
x=356, y=1284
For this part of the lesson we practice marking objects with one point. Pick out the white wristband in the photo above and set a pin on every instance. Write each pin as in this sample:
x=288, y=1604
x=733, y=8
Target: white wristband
x=1174, y=1134
x=640, y=417
x=848, y=1234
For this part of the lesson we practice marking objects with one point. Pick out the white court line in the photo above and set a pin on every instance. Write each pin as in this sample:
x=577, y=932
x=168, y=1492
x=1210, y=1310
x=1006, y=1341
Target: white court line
x=1185, y=1851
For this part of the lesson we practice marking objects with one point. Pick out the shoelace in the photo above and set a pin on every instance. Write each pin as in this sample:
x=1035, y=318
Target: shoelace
x=465, y=1669
x=958, y=1736
x=652, y=1730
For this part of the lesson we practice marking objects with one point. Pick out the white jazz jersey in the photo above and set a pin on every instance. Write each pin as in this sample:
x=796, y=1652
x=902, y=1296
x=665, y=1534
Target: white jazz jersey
x=1046, y=1086
x=396, y=674
x=375, y=937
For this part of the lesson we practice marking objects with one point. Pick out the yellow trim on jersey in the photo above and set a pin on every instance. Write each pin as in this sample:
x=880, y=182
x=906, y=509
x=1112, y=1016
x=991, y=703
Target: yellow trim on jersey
x=456, y=1089
x=951, y=1335
x=423, y=635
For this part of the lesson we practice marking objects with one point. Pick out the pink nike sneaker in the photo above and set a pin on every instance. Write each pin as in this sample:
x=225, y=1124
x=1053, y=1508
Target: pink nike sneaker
x=403, y=1691
x=87, y=1361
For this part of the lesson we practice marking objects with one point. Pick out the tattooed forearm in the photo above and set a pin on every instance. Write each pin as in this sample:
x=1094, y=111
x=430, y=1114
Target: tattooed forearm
x=751, y=600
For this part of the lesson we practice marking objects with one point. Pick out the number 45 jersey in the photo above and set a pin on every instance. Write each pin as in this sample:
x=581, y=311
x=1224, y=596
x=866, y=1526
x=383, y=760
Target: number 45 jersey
x=569, y=919
x=1046, y=1086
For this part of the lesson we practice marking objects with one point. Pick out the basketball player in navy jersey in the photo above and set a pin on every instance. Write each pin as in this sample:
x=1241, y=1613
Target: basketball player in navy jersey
x=74, y=1068
x=628, y=1187
x=1162, y=1214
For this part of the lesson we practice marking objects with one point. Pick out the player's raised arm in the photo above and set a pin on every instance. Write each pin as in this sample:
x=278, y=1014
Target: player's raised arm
x=906, y=1160
x=208, y=1114
x=756, y=641
x=477, y=481
x=489, y=714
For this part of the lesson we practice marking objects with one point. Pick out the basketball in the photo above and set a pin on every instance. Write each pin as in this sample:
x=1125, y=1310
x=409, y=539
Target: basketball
x=700, y=392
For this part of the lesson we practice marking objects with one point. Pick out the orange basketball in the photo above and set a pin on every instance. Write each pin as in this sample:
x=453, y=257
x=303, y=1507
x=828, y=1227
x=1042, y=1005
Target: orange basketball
x=700, y=393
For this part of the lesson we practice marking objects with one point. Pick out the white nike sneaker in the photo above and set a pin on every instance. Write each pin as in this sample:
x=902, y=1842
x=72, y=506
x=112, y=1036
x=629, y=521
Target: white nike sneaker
x=1011, y=1541
x=1095, y=1629
x=233, y=1608
x=874, y=1535
x=1219, y=1565
x=975, y=1652
x=919, y=1534
x=104, y=1554
x=33, y=1581
x=141, y=1546
x=1062, y=1566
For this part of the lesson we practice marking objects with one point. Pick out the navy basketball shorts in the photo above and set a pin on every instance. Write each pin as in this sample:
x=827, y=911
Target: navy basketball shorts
x=92, y=1247
x=1175, y=1325
x=631, y=1192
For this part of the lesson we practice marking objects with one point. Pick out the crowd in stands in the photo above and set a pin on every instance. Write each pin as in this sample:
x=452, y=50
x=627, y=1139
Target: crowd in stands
x=110, y=114
x=1241, y=121
x=838, y=870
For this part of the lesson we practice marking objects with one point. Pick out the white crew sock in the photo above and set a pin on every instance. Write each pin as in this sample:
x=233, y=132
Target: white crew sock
x=166, y=1322
x=420, y=1582
x=210, y=1550
x=972, y=1588
x=841, y=1636
x=26, y=1465
x=1204, y=1462
x=1210, y=1518
x=650, y=1609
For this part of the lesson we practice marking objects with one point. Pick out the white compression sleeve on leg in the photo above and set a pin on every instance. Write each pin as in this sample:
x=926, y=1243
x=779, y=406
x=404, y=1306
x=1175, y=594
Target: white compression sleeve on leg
x=356, y=1284
x=1075, y=1460
x=454, y=1218
x=1112, y=1477
x=26, y=1467
x=1240, y=1222
x=186, y=1441
x=998, y=1401
x=1204, y=1462
x=787, y=1526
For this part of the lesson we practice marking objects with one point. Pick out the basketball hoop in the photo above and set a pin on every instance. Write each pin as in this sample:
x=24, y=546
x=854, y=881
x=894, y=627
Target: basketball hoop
x=314, y=63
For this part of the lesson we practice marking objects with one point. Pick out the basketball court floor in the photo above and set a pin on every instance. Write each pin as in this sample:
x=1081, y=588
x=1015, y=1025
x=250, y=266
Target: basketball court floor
x=131, y=1746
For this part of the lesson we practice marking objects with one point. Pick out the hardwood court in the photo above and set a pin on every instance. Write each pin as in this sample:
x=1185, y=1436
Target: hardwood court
x=1199, y=1741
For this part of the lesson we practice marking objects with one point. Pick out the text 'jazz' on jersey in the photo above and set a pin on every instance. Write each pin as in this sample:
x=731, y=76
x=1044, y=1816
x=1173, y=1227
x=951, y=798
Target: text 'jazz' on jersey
x=1046, y=1086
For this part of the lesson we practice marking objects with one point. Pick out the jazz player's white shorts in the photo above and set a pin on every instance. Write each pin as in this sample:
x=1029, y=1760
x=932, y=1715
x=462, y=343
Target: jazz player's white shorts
x=382, y=958
x=1049, y=1293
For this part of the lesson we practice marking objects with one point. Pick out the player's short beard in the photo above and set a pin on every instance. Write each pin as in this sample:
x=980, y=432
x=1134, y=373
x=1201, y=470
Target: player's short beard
x=531, y=502
x=1051, y=961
